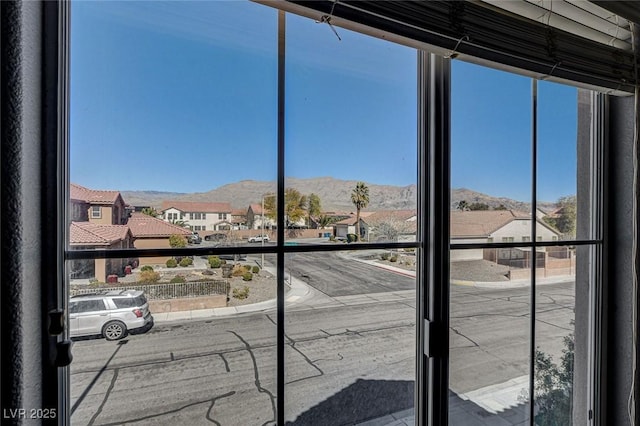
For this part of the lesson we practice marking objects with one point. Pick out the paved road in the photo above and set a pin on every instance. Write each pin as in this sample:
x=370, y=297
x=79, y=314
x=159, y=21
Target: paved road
x=222, y=371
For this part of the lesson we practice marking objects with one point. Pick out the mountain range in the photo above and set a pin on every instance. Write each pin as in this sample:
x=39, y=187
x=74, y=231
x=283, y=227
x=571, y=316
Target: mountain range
x=335, y=195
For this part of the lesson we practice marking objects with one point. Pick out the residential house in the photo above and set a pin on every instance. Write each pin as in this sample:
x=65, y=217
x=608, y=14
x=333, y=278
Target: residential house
x=199, y=216
x=486, y=226
x=151, y=232
x=239, y=219
x=86, y=236
x=97, y=206
x=348, y=225
x=257, y=218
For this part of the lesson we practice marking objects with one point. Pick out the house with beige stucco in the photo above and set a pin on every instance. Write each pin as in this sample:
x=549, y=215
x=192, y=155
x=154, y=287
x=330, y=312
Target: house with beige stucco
x=105, y=207
x=151, y=232
x=198, y=216
x=87, y=236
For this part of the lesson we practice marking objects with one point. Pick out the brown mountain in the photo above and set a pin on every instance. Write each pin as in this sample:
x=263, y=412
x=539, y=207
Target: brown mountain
x=335, y=195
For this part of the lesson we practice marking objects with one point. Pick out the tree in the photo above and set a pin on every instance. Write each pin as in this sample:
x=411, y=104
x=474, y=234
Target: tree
x=295, y=206
x=150, y=211
x=324, y=220
x=500, y=207
x=478, y=206
x=179, y=222
x=314, y=209
x=463, y=205
x=554, y=386
x=177, y=241
x=360, y=199
x=564, y=220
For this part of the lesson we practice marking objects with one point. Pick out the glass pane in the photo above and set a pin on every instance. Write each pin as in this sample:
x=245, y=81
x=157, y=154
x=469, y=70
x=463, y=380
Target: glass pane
x=558, y=354
x=162, y=156
x=490, y=155
x=350, y=327
x=351, y=131
x=489, y=336
x=161, y=94
x=173, y=345
x=560, y=205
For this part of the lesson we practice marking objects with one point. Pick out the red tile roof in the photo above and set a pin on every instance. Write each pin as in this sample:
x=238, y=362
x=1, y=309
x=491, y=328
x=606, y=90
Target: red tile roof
x=256, y=208
x=94, y=196
x=197, y=207
x=86, y=233
x=481, y=223
x=143, y=225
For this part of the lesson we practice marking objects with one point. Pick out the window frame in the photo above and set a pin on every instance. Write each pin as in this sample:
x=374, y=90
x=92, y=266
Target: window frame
x=433, y=172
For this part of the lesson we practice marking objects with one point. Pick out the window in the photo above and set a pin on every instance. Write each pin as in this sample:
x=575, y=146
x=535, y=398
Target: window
x=96, y=212
x=335, y=321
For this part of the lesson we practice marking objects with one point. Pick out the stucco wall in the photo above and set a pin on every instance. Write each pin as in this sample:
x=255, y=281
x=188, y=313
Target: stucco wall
x=145, y=243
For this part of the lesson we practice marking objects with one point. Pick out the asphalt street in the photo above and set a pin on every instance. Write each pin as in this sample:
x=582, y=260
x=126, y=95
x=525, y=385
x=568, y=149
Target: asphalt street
x=223, y=370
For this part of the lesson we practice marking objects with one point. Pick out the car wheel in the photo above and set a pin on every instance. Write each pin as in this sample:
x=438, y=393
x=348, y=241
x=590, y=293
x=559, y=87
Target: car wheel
x=114, y=330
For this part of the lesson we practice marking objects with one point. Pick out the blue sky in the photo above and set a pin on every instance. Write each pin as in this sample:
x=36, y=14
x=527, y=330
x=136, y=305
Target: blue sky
x=182, y=96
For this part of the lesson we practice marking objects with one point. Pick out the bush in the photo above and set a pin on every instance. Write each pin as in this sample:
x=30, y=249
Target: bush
x=177, y=241
x=172, y=263
x=352, y=238
x=210, y=258
x=255, y=269
x=393, y=258
x=178, y=279
x=241, y=294
x=247, y=276
x=146, y=268
x=238, y=271
x=332, y=238
x=224, y=262
x=247, y=267
x=215, y=262
x=149, y=277
x=385, y=256
x=186, y=261
x=207, y=272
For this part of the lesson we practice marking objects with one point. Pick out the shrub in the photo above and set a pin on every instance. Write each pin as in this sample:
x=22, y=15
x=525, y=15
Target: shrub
x=177, y=241
x=385, y=256
x=207, y=272
x=247, y=276
x=241, y=294
x=172, y=263
x=178, y=279
x=238, y=271
x=352, y=238
x=149, y=277
x=393, y=258
x=332, y=238
x=186, y=261
x=247, y=267
x=255, y=269
x=214, y=262
x=146, y=268
x=210, y=258
x=224, y=262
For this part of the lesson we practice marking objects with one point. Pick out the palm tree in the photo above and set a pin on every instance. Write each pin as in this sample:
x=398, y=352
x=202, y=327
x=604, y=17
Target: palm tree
x=150, y=211
x=360, y=199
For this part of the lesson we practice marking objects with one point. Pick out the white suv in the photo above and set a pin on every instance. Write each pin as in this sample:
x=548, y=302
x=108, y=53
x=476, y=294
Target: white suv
x=259, y=238
x=111, y=314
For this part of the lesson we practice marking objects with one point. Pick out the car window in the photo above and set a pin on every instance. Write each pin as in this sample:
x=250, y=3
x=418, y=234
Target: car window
x=140, y=300
x=90, y=305
x=125, y=302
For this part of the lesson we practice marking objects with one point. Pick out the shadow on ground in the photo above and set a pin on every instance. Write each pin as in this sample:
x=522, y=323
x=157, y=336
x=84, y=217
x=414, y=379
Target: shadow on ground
x=359, y=402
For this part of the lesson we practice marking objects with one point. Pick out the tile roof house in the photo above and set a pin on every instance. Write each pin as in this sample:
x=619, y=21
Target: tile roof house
x=87, y=235
x=484, y=226
x=199, y=216
x=96, y=206
x=239, y=219
x=256, y=217
x=151, y=232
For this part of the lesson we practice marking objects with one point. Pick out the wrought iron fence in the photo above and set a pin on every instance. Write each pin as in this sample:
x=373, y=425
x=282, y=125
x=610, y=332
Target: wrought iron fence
x=166, y=290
